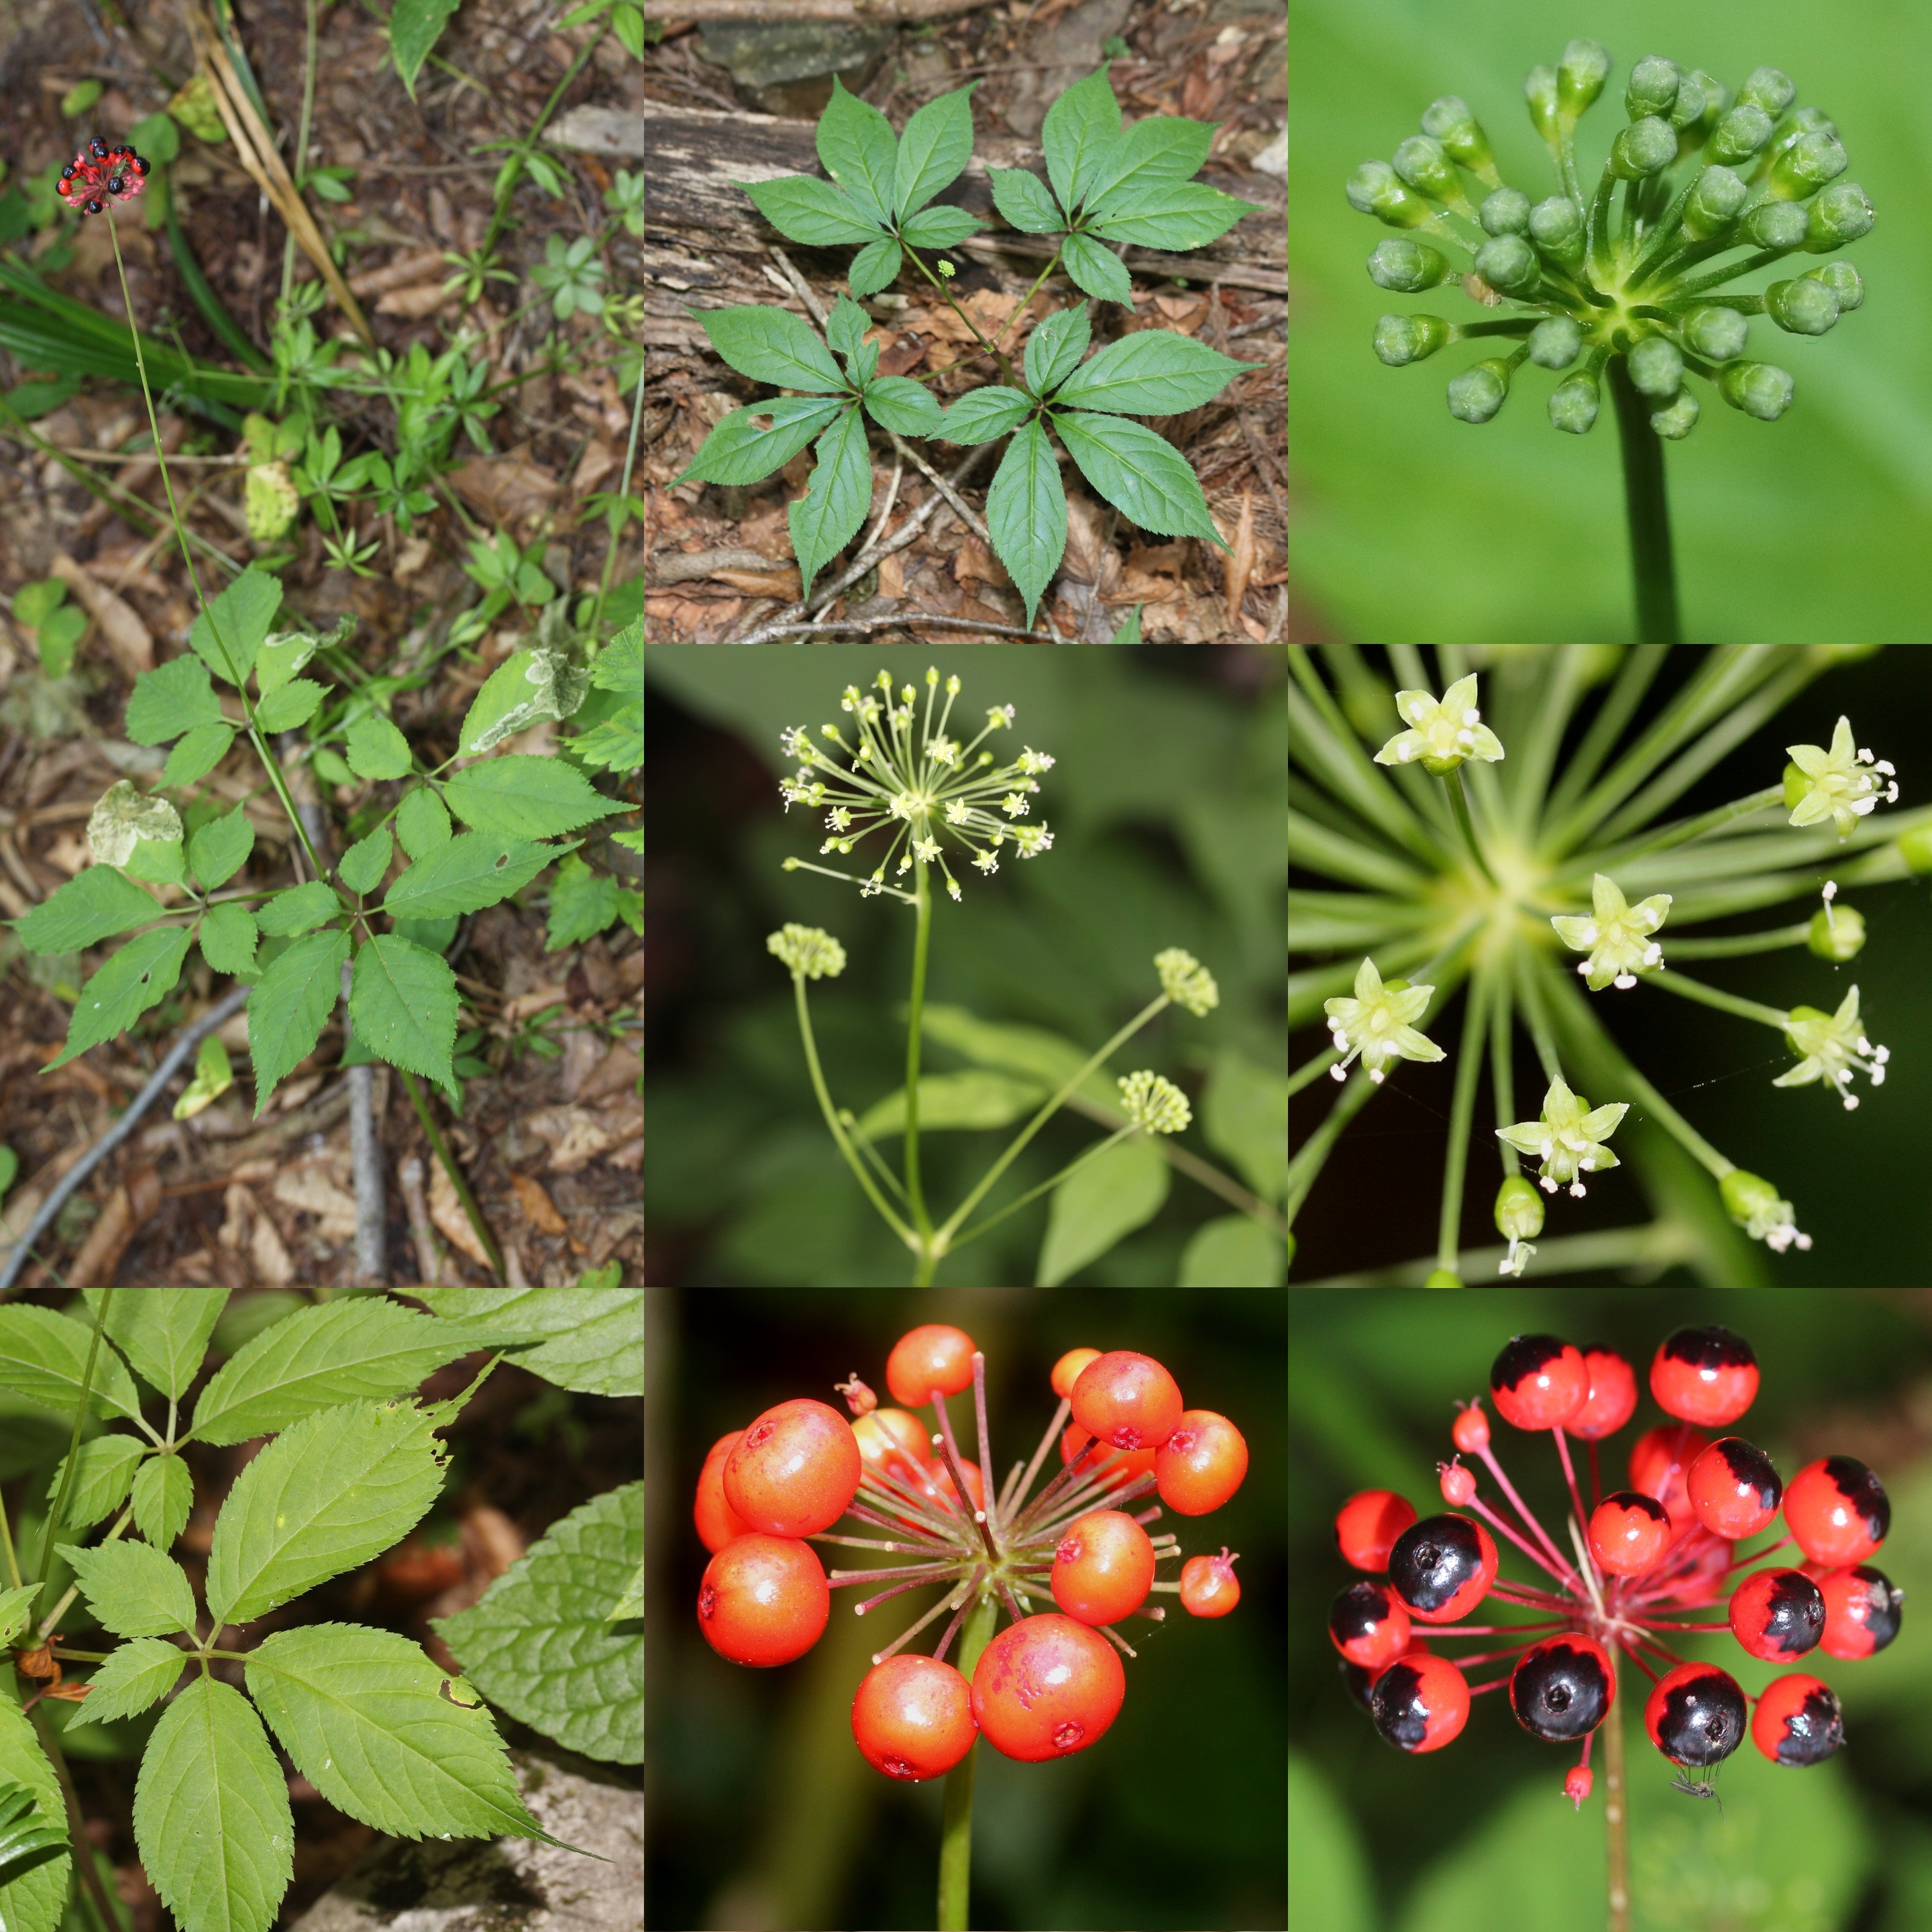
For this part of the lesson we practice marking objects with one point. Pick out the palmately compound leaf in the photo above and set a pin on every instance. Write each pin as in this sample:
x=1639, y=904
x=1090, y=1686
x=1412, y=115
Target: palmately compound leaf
x=164, y=1337
x=212, y=1815
x=527, y=796
x=133, y=1588
x=327, y=1494
x=771, y=345
x=228, y=936
x=376, y=749
x=175, y=697
x=361, y=867
x=980, y=415
x=1153, y=372
x=804, y=208
x=317, y=1359
x=33, y=1900
x=422, y=822
x=474, y=870
x=591, y=1340
x=219, y=849
x=163, y=1494
x=538, y=1645
x=1078, y=134
x=934, y=150
x=750, y=443
x=142, y=974
x=384, y=1736
x=287, y=1010
x=43, y=1357
x=135, y=1676
x=837, y=496
x=403, y=1003
x=228, y=633
x=1024, y=200
x=857, y=147
x=1026, y=514
x=1055, y=346
x=1096, y=270
x=92, y=906
x=873, y=267
x=1138, y=472
x=104, y=1469
x=300, y=909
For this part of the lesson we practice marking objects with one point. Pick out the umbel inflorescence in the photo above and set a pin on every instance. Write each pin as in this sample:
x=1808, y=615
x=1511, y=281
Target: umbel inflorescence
x=1703, y=185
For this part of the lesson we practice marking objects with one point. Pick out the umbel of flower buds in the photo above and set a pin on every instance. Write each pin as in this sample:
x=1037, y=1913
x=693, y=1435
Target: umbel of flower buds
x=1703, y=185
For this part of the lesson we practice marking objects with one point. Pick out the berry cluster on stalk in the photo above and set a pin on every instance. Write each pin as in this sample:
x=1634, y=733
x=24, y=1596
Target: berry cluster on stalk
x=1641, y=1562
x=99, y=173
x=1051, y=1683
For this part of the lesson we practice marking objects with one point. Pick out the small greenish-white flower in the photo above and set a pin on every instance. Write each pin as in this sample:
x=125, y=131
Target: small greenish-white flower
x=1834, y=1047
x=1842, y=784
x=1519, y=1215
x=1154, y=1104
x=1569, y=1139
x=1615, y=934
x=1186, y=982
x=1753, y=1203
x=1377, y=1024
x=1837, y=933
x=1441, y=735
x=809, y=951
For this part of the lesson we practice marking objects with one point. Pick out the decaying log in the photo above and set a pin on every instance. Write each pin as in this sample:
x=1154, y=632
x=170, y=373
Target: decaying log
x=846, y=12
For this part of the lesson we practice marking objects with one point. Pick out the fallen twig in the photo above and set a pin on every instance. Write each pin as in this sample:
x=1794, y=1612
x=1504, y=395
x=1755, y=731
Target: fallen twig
x=907, y=620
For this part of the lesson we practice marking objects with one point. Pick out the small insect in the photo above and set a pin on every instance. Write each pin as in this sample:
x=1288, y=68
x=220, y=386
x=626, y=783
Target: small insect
x=1682, y=1782
x=449, y=1696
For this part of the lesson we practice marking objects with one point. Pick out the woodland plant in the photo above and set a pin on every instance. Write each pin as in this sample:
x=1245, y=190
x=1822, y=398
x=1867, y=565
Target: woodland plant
x=1555, y=845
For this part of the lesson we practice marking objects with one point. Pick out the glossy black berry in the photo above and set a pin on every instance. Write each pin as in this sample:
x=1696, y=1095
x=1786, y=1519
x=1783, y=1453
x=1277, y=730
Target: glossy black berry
x=1696, y=1714
x=115, y=184
x=1799, y=1721
x=1441, y=1565
x=93, y=207
x=1560, y=1689
x=140, y=166
x=99, y=146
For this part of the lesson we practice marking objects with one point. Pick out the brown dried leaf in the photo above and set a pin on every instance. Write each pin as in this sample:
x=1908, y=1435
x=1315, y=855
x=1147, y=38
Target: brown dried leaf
x=446, y=1211
x=1238, y=565
x=413, y=303
x=538, y=1208
x=129, y=640
x=506, y=486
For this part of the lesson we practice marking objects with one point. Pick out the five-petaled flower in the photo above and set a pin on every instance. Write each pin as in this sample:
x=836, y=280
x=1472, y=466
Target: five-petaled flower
x=1569, y=1138
x=1842, y=784
x=1376, y=1023
x=1833, y=1046
x=1441, y=734
x=1616, y=935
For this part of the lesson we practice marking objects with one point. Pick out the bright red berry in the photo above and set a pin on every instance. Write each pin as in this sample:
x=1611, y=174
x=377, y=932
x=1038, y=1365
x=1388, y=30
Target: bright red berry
x=930, y=1358
x=718, y=1522
x=1367, y=1525
x=1209, y=1587
x=1798, y=1720
x=1612, y=1398
x=1862, y=1608
x=1369, y=1625
x=913, y=1717
x=1705, y=1375
x=1067, y=1370
x=937, y=1484
x=1420, y=1703
x=1695, y=1715
x=1837, y=1510
x=1776, y=1614
x=1563, y=1688
x=1659, y=1466
x=1628, y=1532
x=1539, y=1382
x=764, y=1600
x=890, y=1439
x=1458, y=1484
x=1103, y=1567
x=1442, y=1567
x=1127, y=1399
x=795, y=1470
x=1113, y=1469
x=1045, y=1687
x=1362, y=1682
x=1734, y=1490
x=1201, y=1464
x=1471, y=1430
x=1577, y=1784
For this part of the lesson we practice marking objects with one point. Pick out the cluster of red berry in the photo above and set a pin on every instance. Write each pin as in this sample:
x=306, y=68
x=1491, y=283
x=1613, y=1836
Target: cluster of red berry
x=1050, y=1684
x=97, y=171
x=1643, y=1556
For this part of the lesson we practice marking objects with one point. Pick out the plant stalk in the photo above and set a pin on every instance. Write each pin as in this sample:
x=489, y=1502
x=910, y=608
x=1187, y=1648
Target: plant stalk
x=915, y=1193
x=955, y=1842
x=1647, y=511
x=1616, y=1822
x=471, y=1211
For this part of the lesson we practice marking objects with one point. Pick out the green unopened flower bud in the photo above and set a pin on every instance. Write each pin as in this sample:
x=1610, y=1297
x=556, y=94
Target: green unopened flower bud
x=1401, y=339
x=1556, y=226
x=1407, y=267
x=1646, y=147
x=1701, y=99
x=1508, y=263
x=1375, y=188
x=1442, y=1278
x=1186, y=982
x=1759, y=389
x=1153, y=1104
x=1450, y=121
x=1775, y=224
x=1652, y=88
x=1795, y=126
x=1753, y=1203
x=1739, y=134
x=1836, y=932
x=1768, y=88
x=1574, y=404
x=1841, y=215
x=1539, y=90
x=1843, y=280
x=1505, y=212
x=1676, y=421
x=1424, y=164
x=1479, y=391
x=1715, y=202
x=1657, y=367
x=1715, y=334
x=1555, y=342
x=1518, y=1210
x=809, y=951
x=1802, y=307
x=1580, y=76
x=1806, y=165
x=1915, y=847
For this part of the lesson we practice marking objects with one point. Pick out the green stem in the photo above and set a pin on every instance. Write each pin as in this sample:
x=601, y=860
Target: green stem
x=1655, y=1246
x=1053, y=262
x=1741, y=942
x=1072, y=1167
x=1312, y=1070
x=528, y=144
x=7, y=1544
x=301, y=145
x=1685, y=831
x=74, y=1442
x=818, y=1086
x=1462, y=1111
x=1616, y=1810
x=1459, y=801
x=471, y=1211
x=624, y=496
x=1647, y=512
x=1725, y=1002
x=1306, y=1167
x=946, y=295
x=1537, y=1021
x=1502, y=1068
x=915, y=1020
x=955, y=1841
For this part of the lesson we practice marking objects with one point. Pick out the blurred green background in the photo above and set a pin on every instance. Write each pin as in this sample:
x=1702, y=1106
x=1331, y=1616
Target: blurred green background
x=762, y=1813
x=1411, y=525
x=1478, y=1836
x=1166, y=807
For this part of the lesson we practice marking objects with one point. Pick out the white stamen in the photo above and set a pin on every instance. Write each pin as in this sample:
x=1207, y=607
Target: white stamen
x=1577, y=1189
x=1472, y=716
x=1625, y=980
x=1886, y=766
x=1548, y=1185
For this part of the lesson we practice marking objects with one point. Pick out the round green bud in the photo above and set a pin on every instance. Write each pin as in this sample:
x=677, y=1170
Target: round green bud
x=1555, y=342
x=1806, y=165
x=1375, y=188
x=1768, y=88
x=1749, y=1198
x=1580, y=76
x=1505, y=212
x=1539, y=91
x=1479, y=391
x=1678, y=419
x=1556, y=227
x=1715, y=334
x=1773, y=224
x=1450, y=121
x=1794, y=126
x=1424, y=165
x=1715, y=202
x=1840, y=936
x=1797, y=787
x=1407, y=267
x=1441, y=1278
x=1739, y=134
x=1652, y=88
x=1841, y=215
x=1657, y=367
x=1646, y=147
x=1508, y=263
x=1915, y=847
x=1574, y=404
x=1518, y=1210
x=1759, y=389
x=1701, y=99
x=1802, y=307
x=1401, y=339
x=1843, y=280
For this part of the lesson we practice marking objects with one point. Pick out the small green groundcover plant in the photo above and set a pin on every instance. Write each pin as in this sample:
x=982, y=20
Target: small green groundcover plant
x=1106, y=184
x=351, y=1466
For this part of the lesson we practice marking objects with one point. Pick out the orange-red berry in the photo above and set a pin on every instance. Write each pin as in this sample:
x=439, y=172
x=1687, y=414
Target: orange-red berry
x=1209, y=1587
x=1776, y=1614
x=1471, y=1430
x=718, y=1522
x=1047, y=1687
x=1111, y=1469
x=764, y=1600
x=1705, y=1375
x=913, y=1717
x=1127, y=1399
x=1798, y=1720
x=1612, y=1401
x=795, y=1469
x=1367, y=1525
x=1420, y=1703
x=1628, y=1532
x=1734, y=1490
x=1539, y=1382
x=1369, y=1625
x=1862, y=1608
x=929, y=1358
x=1837, y=1510
x=1201, y=1464
x=1102, y=1568
x=1067, y=1370
x=1659, y=1466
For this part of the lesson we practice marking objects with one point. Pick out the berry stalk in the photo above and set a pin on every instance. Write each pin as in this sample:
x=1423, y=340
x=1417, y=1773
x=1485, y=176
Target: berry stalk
x=955, y=1839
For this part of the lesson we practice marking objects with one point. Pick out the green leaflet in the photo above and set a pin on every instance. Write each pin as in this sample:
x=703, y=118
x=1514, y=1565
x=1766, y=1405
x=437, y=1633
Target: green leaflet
x=750, y=443
x=164, y=1337
x=415, y=26
x=934, y=148
x=43, y=1356
x=1170, y=215
x=228, y=936
x=93, y=905
x=1138, y=472
x=857, y=147
x=301, y=909
x=845, y=326
x=361, y=867
x=527, y=796
x=1022, y=199
x=1049, y=1058
x=16, y=1607
x=289, y=705
x=318, y=1358
x=159, y=862
x=1232, y=1252
x=329, y=1492
x=632, y=1603
x=285, y=1012
x=1152, y=373
x=197, y=754
x=1099, y=1205
x=33, y=1900
x=220, y=848
x=591, y=1340
x=403, y=1003
x=422, y=823
x=227, y=635
x=805, y=209
x=582, y=903
x=135, y=1676
x=212, y=1813
x=101, y=1475
x=164, y=1494
x=944, y=226
x=1026, y=514
x=176, y=697
x=898, y=403
x=538, y=1645
x=1161, y=148
x=1078, y=135
x=974, y=1098
x=1055, y=346
x=1097, y=271
x=376, y=749
x=474, y=870
x=384, y=1736
x=771, y=345
x=142, y=974
x=25, y=1840
x=527, y=688
x=1129, y=632
x=981, y=414
x=837, y=495
x=873, y=267
x=133, y=1588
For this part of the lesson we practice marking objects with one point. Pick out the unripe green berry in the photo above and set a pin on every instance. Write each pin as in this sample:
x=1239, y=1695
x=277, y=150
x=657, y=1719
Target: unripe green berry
x=1806, y=165
x=1402, y=339
x=1574, y=404
x=1652, y=88
x=1717, y=334
x=1739, y=134
x=1423, y=163
x=1539, y=90
x=1375, y=188
x=1843, y=280
x=1701, y=99
x=1768, y=89
x=1679, y=419
x=1715, y=202
x=1915, y=847
x=1509, y=263
x=1837, y=932
x=1797, y=787
x=1479, y=391
x=1518, y=1210
x=1657, y=367
x=1802, y=307
x=1407, y=267
x=1759, y=389
x=1450, y=121
x=1841, y=213
x=1441, y=1278
x=1556, y=226
x=1505, y=212
x=1646, y=147
x=1555, y=342
x=1775, y=224
x=1580, y=76
x=1753, y=1204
